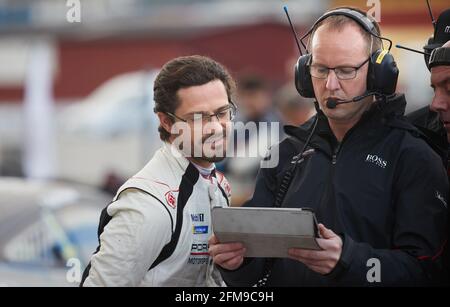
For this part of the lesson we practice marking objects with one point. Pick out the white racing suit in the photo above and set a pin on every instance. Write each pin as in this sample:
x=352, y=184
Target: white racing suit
x=156, y=230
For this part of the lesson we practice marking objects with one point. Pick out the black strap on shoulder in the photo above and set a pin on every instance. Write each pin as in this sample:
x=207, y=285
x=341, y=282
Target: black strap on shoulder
x=105, y=218
x=167, y=249
x=283, y=189
x=150, y=194
x=188, y=181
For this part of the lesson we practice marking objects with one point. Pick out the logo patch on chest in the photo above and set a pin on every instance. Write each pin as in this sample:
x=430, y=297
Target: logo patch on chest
x=171, y=200
x=199, y=217
x=378, y=161
x=199, y=229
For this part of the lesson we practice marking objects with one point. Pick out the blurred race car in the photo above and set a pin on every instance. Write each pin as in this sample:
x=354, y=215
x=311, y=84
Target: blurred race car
x=48, y=231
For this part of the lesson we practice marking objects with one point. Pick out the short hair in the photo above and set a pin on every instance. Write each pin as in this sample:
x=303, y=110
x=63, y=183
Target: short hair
x=184, y=72
x=339, y=21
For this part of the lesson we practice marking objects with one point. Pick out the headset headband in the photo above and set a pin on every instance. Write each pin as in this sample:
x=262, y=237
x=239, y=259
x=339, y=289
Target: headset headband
x=365, y=22
x=382, y=73
x=361, y=19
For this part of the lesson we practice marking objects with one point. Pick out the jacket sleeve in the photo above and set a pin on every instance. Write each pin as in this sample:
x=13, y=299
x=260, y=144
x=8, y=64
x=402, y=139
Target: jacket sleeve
x=130, y=242
x=420, y=197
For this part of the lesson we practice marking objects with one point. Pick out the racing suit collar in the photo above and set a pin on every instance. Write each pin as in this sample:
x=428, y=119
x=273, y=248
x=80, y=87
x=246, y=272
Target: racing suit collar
x=172, y=151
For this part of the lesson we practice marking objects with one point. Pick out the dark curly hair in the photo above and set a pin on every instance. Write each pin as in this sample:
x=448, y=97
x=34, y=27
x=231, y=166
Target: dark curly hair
x=183, y=72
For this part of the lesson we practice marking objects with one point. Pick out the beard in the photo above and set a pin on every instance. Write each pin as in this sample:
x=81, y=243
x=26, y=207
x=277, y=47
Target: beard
x=213, y=148
x=210, y=147
x=213, y=159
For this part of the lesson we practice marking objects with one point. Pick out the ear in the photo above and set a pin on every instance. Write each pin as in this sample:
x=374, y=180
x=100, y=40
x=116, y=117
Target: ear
x=165, y=121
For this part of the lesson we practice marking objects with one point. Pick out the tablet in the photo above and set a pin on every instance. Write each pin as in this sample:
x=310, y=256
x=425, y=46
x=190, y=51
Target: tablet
x=266, y=232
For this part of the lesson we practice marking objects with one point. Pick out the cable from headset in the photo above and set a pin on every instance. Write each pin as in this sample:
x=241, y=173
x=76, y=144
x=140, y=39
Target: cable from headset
x=281, y=194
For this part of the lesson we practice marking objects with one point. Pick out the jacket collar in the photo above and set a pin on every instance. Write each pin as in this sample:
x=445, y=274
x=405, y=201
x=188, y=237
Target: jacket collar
x=175, y=155
x=380, y=110
x=178, y=158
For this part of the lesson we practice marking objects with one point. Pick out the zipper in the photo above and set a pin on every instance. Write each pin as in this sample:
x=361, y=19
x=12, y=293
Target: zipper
x=339, y=146
x=335, y=153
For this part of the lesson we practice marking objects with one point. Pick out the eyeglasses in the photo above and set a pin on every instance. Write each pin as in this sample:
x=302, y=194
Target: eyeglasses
x=342, y=73
x=224, y=114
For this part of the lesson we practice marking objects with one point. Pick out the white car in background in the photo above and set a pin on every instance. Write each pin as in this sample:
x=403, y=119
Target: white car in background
x=113, y=130
x=48, y=231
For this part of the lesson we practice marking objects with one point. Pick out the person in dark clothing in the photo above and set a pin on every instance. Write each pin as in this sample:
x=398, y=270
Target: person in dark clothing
x=426, y=120
x=378, y=190
x=440, y=81
x=429, y=124
x=431, y=119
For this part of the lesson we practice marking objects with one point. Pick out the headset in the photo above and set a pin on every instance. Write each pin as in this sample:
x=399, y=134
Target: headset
x=440, y=35
x=431, y=43
x=382, y=74
x=440, y=57
x=381, y=79
x=428, y=49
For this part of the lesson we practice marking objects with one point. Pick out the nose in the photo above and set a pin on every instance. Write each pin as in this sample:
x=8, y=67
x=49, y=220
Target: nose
x=332, y=81
x=214, y=124
x=440, y=101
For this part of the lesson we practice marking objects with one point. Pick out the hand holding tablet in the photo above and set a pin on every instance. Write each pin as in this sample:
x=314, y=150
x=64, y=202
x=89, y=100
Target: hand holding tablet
x=266, y=232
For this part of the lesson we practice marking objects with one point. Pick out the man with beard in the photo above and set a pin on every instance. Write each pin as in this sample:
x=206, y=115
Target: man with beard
x=156, y=230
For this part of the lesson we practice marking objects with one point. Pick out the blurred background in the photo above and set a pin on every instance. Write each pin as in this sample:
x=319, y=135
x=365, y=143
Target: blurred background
x=76, y=102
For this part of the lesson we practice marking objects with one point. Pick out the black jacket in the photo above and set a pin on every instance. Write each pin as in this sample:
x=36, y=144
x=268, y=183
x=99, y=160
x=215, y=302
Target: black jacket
x=431, y=126
x=428, y=122
x=382, y=189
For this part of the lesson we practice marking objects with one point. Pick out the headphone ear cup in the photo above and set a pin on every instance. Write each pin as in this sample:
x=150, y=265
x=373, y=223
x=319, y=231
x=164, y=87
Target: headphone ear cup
x=383, y=72
x=303, y=82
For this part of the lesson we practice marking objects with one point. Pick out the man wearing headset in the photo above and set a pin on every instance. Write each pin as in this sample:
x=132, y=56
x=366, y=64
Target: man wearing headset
x=378, y=191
